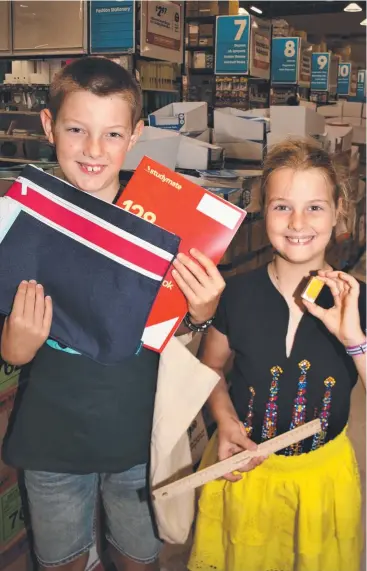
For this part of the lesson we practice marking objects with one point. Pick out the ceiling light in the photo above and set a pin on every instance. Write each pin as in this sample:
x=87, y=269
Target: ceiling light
x=257, y=10
x=352, y=7
x=364, y=22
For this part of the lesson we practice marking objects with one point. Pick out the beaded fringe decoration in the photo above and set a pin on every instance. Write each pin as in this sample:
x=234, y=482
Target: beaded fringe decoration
x=250, y=413
x=299, y=407
x=319, y=439
x=269, y=428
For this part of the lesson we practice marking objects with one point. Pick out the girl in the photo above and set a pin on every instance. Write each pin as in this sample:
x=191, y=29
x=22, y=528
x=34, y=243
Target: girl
x=293, y=361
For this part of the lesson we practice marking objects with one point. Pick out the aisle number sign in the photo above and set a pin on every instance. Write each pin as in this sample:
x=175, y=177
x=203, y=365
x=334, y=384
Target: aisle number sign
x=361, y=85
x=112, y=26
x=344, y=78
x=232, y=45
x=320, y=68
x=285, y=60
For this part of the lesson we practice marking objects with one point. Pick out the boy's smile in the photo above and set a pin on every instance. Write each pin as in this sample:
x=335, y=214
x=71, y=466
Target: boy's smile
x=92, y=135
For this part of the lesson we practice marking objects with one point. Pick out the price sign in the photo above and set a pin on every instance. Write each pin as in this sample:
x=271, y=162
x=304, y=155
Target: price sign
x=361, y=85
x=320, y=67
x=344, y=78
x=285, y=60
x=112, y=26
x=232, y=45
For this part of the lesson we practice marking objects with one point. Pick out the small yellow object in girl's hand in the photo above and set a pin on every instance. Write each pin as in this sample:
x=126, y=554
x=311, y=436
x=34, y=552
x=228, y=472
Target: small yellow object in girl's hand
x=312, y=290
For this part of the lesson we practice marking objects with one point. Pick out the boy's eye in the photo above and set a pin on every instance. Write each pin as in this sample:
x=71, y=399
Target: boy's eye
x=115, y=135
x=75, y=130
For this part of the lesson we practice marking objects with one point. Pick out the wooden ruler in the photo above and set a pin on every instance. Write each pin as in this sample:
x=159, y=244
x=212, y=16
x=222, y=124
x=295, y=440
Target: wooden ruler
x=238, y=460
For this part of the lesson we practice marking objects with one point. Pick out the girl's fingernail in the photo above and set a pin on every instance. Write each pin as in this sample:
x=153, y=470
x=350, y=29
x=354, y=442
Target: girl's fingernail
x=39, y=286
x=174, y=273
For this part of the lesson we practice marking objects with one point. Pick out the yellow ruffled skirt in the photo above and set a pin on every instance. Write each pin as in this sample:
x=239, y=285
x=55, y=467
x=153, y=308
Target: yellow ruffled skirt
x=292, y=513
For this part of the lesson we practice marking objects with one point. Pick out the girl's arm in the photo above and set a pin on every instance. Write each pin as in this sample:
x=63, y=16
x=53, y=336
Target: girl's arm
x=344, y=319
x=232, y=438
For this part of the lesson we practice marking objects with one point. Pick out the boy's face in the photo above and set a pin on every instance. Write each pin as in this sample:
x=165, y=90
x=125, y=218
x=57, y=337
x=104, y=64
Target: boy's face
x=92, y=135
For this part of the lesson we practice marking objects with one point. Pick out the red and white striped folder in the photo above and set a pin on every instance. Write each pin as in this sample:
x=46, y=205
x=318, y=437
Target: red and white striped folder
x=102, y=266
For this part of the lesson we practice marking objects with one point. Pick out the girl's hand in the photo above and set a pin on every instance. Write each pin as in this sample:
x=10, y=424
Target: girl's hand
x=28, y=325
x=201, y=283
x=232, y=439
x=343, y=319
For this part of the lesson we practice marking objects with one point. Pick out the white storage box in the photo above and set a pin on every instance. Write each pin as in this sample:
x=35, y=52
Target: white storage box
x=181, y=117
x=296, y=121
x=158, y=144
x=352, y=109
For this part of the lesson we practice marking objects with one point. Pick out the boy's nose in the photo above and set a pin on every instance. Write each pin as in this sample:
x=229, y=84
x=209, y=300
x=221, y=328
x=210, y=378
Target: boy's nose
x=93, y=148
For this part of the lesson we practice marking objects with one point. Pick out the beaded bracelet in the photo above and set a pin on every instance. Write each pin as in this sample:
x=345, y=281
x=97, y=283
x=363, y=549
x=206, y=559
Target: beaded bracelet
x=357, y=349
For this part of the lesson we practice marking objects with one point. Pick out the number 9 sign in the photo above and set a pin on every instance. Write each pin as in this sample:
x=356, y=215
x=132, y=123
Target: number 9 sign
x=320, y=71
x=322, y=62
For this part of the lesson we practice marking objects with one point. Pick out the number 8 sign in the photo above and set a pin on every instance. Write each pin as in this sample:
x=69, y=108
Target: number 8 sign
x=285, y=60
x=320, y=68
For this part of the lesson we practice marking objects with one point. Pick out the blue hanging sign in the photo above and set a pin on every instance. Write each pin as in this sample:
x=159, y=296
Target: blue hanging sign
x=284, y=60
x=361, y=85
x=232, y=45
x=344, y=78
x=112, y=26
x=320, y=67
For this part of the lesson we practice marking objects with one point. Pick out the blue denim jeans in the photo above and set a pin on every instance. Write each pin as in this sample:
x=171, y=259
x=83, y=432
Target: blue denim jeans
x=63, y=514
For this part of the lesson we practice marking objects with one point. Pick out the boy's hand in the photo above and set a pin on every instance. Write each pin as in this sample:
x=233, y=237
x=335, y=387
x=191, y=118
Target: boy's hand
x=28, y=325
x=232, y=439
x=201, y=283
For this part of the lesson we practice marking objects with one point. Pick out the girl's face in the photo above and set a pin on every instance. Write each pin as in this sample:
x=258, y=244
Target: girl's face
x=300, y=214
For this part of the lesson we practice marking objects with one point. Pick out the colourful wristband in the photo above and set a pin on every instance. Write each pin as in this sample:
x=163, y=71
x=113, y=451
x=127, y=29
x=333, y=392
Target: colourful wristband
x=357, y=349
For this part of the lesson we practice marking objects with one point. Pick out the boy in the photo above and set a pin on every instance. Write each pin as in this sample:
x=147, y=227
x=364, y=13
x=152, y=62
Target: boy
x=83, y=428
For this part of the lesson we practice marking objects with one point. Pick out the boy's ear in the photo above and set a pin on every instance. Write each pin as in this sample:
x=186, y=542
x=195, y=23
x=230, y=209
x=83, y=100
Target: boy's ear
x=136, y=134
x=47, y=123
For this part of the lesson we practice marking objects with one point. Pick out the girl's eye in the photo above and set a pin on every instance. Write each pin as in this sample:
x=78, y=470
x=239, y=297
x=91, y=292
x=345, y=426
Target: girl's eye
x=74, y=130
x=315, y=208
x=281, y=207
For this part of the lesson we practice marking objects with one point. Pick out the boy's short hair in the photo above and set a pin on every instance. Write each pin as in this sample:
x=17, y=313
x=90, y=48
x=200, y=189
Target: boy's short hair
x=99, y=76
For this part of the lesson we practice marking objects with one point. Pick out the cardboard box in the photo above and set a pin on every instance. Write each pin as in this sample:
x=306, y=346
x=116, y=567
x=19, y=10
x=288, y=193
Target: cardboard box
x=198, y=437
x=196, y=154
x=181, y=117
x=159, y=144
x=352, y=109
x=242, y=136
x=353, y=121
x=296, y=121
x=359, y=135
x=335, y=110
x=340, y=137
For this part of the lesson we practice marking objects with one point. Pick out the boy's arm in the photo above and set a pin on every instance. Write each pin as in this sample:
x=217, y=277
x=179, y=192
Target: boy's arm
x=202, y=285
x=28, y=326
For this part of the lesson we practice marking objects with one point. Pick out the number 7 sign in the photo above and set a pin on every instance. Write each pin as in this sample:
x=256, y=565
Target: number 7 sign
x=232, y=45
